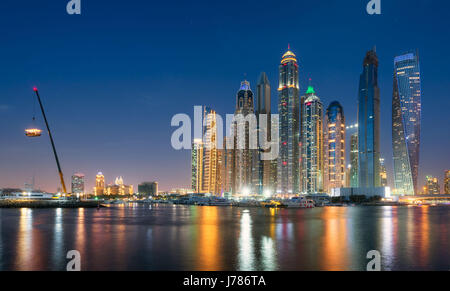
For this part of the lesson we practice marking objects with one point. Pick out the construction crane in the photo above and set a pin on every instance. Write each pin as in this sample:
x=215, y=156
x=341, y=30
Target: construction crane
x=37, y=132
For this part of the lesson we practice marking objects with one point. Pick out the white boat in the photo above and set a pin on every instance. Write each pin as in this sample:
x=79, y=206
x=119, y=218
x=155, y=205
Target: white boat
x=298, y=202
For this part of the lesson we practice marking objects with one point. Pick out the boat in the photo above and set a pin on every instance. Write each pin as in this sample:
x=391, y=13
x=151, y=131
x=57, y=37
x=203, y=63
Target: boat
x=298, y=202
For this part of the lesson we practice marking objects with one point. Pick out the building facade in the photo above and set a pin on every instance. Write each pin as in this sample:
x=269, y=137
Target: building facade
x=263, y=176
x=119, y=188
x=99, y=188
x=289, y=123
x=369, y=123
x=432, y=186
x=383, y=173
x=334, y=147
x=197, y=166
x=211, y=172
x=78, y=183
x=354, y=181
x=245, y=141
x=447, y=182
x=406, y=115
x=312, y=144
x=148, y=188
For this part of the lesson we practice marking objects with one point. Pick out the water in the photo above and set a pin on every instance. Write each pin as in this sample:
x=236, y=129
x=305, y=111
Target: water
x=176, y=237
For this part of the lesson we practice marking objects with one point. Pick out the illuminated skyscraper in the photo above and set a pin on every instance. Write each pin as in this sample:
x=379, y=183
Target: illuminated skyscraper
x=406, y=113
x=432, y=186
x=312, y=143
x=211, y=156
x=334, y=144
x=288, y=109
x=245, y=122
x=383, y=173
x=99, y=188
x=78, y=183
x=369, y=123
x=197, y=165
x=227, y=168
x=354, y=160
x=263, y=173
x=447, y=182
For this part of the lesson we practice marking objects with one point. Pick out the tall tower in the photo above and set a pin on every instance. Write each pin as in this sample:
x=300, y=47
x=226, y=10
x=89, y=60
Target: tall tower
x=263, y=174
x=211, y=164
x=354, y=181
x=288, y=109
x=243, y=154
x=334, y=144
x=312, y=143
x=99, y=188
x=197, y=165
x=406, y=113
x=369, y=123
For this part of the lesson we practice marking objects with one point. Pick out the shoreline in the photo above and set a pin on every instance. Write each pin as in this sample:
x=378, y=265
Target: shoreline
x=49, y=204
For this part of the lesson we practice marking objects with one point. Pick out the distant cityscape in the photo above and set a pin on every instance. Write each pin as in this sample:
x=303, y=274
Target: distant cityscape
x=312, y=141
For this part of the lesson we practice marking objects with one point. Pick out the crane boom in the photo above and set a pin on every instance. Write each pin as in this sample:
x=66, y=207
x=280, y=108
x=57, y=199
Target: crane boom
x=52, y=142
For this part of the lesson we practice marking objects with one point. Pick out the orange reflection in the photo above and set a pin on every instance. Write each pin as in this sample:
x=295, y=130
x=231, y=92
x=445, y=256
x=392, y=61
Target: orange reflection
x=423, y=235
x=209, y=258
x=334, y=239
x=24, y=239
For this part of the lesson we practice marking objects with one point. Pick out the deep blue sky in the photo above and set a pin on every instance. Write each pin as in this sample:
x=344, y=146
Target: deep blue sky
x=112, y=78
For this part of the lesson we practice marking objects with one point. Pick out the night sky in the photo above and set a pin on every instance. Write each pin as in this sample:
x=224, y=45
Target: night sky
x=112, y=78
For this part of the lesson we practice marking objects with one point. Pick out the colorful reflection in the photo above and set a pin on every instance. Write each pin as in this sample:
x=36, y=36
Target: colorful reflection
x=209, y=250
x=246, y=255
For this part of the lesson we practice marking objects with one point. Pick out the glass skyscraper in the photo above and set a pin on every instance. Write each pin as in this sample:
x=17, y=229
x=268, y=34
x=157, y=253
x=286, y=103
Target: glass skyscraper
x=262, y=180
x=369, y=123
x=354, y=160
x=406, y=112
x=244, y=154
x=334, y=144
x=312, y=143
x=288, y=109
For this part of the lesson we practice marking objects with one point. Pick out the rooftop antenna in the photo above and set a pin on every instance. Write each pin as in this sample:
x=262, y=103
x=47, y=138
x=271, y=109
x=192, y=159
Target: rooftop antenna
x=289, y=46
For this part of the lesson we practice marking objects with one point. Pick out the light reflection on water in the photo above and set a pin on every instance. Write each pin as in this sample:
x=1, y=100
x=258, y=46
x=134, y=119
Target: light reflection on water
x=175, y=237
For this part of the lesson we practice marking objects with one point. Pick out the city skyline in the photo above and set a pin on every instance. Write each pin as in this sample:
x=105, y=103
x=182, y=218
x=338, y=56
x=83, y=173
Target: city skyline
x=90, y=108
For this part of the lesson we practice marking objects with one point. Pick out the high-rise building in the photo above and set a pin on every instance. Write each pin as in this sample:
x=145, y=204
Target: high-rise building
x=263, y=173
x=211, y=156
x=432, y=186
x=369, y=123
x=119, y=188
x=148, y=188
x=406, y=114
x=289, y=131
x=227, y=168
x=354, y=181
x=99, y=188
x=78, y=183
x=312, y=143
x=334, y=145
x=197, y=165
x=447, y=182
x=383, y=173
x=245, y=120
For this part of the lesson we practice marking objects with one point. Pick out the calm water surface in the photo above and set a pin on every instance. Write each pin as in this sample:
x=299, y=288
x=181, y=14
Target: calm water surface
x=176, y=237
